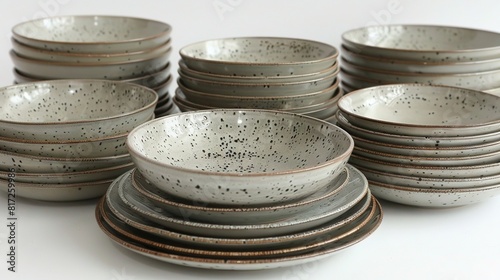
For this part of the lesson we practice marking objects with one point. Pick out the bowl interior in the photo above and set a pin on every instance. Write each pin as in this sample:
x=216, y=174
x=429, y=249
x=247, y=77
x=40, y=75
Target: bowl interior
x=71, y=100
x=259, y=50
x=422, y=105
x=240, y=141
x=88, y=29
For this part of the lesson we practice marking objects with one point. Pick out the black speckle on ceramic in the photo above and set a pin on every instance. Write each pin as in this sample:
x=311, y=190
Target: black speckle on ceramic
x=239, y=156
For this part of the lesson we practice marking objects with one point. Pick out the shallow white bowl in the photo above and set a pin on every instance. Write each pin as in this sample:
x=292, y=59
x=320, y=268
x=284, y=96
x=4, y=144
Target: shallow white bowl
x=256, y=79
x=425, y=182
x=97, y=58
x=428, y=67
x=92, y=34
x=41, y=69
x=63, y=110
x=39, y=164
x=259, y=56
x=434, y=198
x=422, y=110
x=263, y=102
x=258, y=89
x=239, y=157
x=474, y=80
x=424, y=42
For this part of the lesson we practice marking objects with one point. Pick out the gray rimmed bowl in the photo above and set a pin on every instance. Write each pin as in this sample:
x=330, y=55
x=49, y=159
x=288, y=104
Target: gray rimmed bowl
x=71, y=110
x=239, y=157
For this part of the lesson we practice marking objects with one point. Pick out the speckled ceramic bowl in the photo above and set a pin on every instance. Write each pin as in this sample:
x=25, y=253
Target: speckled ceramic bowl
x=89, y=148
x=92, y=34
x=422, y=110
x=97, y=58
x=59, y=192
x=110, y=71
x=258, y=89
x=107, y=173
x=264, y=102
x=473, y=80
x=257, y=79
x=240, y=215
x=36, y=164
x=73, y=110
x=434, y=142
x=419, y=66
x=434, y=198
x=423, y=42
x=431, y=183
x=259, y=56
x=239, y=157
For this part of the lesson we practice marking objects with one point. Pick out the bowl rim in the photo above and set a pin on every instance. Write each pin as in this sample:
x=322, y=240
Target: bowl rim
x=167, y=30
x=62, y=142
x=338, y=159
x=409, y=125
x=70, y=173
x=184, y=55
x=360, y=45
x=144, y=89
x=63, y=159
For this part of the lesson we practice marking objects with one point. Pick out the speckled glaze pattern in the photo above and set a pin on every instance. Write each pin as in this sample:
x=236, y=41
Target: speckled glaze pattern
x=92, y=34
x=355, y=190
x=267, y=56
x=441, y=111
x=73, y=109
x=239, y=157
x=237, y=215
x=423, y=42
x=115, y=207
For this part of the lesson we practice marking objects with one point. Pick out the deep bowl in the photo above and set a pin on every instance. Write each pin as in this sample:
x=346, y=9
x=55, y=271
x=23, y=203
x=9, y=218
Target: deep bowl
x=422, y=110
x=64, y=110
x=239, y=157
x=423, y=42
x=92, y=34
x=259, y=56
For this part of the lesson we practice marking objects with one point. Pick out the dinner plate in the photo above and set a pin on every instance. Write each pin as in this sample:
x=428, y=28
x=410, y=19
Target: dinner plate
x=339, y=203
x=156, y=242
x=117, y=208
x=203, y=212
x=243, y=264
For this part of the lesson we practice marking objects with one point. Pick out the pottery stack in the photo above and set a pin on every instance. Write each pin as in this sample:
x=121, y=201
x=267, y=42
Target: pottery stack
x=285, y=74
x=117, y=48
x=425, y=54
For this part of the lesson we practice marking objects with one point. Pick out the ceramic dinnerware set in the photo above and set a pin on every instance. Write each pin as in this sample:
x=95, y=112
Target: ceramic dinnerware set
x=286, y=74
x=239, y=189
x=424, y=145
x=126, y=49
x=425, y=54
x=64, y=140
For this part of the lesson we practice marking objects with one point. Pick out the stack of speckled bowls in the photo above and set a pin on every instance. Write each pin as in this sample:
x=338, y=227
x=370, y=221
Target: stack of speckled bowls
x=64, y=140
x=438, y=55
x=239, y=189
x=424, y=145
x=286, y=74
x=132, y=50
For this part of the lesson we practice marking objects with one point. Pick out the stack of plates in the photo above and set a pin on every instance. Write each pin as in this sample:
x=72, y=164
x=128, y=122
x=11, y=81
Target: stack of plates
x=292, y=75
x=423, y=145
x=65, y=140
x=116, y=48
x=438, y=55
x=246, y=207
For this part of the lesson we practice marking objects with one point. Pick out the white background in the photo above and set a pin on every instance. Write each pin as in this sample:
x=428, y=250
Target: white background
x=62, y=240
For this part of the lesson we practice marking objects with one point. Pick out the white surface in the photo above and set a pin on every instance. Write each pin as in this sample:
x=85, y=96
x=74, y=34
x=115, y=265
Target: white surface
x=62, y=241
